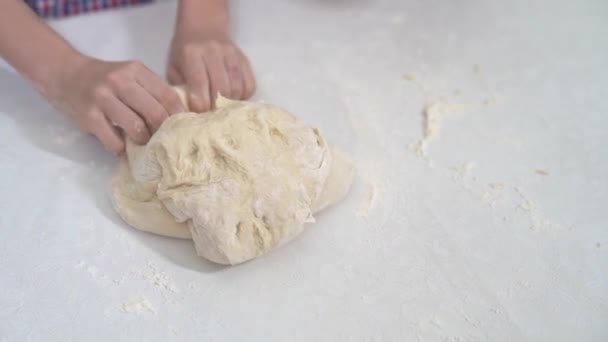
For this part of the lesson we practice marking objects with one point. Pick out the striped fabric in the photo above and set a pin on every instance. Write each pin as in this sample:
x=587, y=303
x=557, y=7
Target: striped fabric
x=63, y=8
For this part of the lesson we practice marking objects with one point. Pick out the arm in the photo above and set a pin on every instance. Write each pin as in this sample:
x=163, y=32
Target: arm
x=209, y=15
x=204, y=57
x=36, y=51
x=104, y=98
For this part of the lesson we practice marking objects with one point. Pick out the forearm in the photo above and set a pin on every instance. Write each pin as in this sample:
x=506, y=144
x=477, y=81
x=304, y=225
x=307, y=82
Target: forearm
x=28, y=44
x=210, y=15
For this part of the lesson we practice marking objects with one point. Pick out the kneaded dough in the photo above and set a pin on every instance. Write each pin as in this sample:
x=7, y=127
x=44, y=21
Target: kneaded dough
x=239, y=181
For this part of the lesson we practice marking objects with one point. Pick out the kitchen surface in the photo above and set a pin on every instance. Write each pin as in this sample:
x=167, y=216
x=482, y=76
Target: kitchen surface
x=479, y=210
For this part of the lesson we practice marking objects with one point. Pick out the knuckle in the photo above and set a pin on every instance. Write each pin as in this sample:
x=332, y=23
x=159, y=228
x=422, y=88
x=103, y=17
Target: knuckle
x=135, y=66
x=169, y=98
x=115, y=78
x=213, y=46
x=191, y=51
x=101, y=93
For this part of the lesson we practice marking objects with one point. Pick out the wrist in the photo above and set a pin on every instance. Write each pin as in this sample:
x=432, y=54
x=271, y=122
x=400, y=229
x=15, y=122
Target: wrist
x=50, y=79
x=207, y=15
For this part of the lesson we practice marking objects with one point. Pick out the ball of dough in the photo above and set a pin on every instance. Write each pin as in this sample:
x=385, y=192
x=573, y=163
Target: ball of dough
x=239, y=181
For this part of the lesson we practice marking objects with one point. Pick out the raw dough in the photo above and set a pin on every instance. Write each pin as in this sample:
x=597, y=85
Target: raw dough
x=239, y=181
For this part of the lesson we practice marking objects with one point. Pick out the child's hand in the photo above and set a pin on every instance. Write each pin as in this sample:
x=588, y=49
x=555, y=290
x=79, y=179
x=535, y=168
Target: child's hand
x=209, y=62
x=102, y=96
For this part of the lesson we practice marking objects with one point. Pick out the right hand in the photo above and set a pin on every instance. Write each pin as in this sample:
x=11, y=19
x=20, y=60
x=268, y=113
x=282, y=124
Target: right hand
x=106, y=97
x=208, y=62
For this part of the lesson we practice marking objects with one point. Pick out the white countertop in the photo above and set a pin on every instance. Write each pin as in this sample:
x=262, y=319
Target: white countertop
x=498, y=233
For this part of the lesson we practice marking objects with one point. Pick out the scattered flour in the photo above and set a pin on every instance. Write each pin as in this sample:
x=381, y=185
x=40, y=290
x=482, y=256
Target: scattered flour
x=93, y=271
x=421, y=82
x=68, y=139
x=537, y=220
x=431, y=121
x=493, y=193
x=369, y=200
x=432, y=116
x=460, y=171
x=160, y=278
x=373, y=175
x=496, y=193
x=96, y=273
x=138, y=305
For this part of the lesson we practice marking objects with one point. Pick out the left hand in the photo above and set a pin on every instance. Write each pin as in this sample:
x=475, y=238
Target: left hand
x=208, y=62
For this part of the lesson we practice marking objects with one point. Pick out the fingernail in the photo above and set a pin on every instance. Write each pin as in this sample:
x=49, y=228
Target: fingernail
x=195, y=103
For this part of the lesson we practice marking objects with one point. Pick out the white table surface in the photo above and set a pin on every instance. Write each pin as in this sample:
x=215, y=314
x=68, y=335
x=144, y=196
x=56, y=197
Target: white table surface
x=472, y=242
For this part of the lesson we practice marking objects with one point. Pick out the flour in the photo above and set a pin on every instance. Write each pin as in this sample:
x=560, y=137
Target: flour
x=493, y=193
x=369, y=200
x=431, y=121
x=160, y=279
x=415, y=80
x=460, y=171
x=536, y=219
x=374, y=176
x=138, y=305
x=68, y=139
x=93, y=271
x=432, y=116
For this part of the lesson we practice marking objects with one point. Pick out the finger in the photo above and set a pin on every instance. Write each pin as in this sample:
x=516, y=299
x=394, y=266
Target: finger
x=145, y=105
x=248, y=78
x=99, y=126
x=197, y=85
x=174, y=77
x=125, y=118
x=218, y=77
x=161, y=92
x=181, y=93
x=233, y=68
